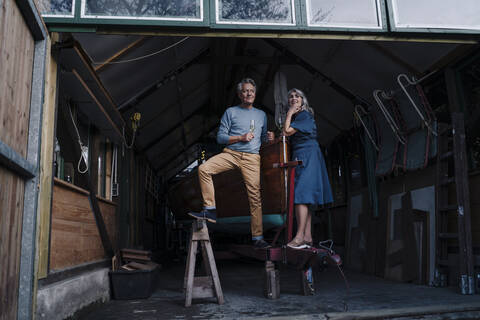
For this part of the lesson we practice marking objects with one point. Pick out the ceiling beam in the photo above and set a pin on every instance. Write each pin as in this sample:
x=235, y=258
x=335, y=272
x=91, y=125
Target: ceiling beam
x=314, y=71
x=394, y=58
x=172, y=105
x=195, y=112
x=244, y=60
x=195, y=140
x=101, y=67
x=150, y=89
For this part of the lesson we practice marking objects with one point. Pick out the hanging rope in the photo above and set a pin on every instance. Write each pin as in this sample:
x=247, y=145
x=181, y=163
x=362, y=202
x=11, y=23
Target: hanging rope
x=83, y=148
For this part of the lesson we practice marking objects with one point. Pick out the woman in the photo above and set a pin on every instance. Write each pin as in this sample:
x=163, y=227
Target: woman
x=311, y=179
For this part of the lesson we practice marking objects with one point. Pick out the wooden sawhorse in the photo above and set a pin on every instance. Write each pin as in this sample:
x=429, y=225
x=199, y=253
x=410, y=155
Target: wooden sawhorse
x=207, y=286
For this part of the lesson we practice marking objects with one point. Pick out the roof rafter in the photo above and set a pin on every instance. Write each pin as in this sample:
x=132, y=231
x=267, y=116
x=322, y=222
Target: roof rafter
x=174, y=127
x=101, y=67
x=150, y=89
x=314, y=71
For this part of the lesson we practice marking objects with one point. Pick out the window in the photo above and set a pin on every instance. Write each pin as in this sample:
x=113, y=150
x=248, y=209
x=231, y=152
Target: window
x=344, y=13
x=270, y=12
x=188, y=10
x=445, y=14
x=57, y=8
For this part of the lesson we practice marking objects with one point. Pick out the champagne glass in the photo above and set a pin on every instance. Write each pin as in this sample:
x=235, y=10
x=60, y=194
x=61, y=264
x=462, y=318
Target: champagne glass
x=252, y=125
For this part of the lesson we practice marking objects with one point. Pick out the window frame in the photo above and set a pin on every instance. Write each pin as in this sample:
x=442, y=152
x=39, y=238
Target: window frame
x=381, y=16
x=393, y=14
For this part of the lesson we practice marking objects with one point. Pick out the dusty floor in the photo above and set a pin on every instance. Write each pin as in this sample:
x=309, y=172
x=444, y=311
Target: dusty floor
x=242, y=284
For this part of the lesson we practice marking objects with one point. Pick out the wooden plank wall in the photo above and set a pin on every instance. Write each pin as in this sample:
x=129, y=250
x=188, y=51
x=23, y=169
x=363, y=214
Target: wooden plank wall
x=74, y=236
x=16, y=63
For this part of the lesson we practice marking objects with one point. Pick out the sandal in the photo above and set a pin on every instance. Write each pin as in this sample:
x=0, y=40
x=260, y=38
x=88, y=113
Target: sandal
x=309, y=244
x=295, y=244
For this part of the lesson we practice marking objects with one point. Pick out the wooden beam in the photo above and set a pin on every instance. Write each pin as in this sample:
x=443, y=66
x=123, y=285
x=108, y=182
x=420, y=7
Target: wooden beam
x=171, y=158
x=160, y=113
x=453, y=56
x=244, y=60
x=394, y=58
x=312, y=70
x=150, y=89
x=454, y=100
x=173, y=128
x=99, y=68
x=86, y=64
x=421, y=37
x=46, y=163
x=175, y=144
x=99, y=105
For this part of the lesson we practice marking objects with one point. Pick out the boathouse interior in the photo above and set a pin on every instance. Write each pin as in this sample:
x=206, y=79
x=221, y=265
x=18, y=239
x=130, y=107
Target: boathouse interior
x=147, y=109
x=108, y=107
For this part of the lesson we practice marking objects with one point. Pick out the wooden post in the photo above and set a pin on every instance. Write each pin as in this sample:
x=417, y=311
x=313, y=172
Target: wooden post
x=46, y=162
x=272, y=281
x=206, y=286
x=463, y=209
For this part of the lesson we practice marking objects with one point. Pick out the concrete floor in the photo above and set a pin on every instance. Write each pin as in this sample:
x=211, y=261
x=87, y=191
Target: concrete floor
x=242, y=283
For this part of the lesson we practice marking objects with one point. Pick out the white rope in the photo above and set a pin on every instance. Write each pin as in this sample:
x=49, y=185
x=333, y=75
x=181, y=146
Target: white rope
x=145, y=56
x=83, y=149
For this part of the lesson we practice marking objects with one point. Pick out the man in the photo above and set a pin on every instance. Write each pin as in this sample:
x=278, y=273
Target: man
x=242, y=129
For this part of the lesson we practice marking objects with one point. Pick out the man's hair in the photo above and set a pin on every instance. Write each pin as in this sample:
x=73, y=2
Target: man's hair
x=246, y=80
x=305, y=105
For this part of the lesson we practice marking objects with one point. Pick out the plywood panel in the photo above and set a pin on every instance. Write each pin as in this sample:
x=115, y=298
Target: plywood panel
x=16, y=62
x=11, y=213
x=74, y=237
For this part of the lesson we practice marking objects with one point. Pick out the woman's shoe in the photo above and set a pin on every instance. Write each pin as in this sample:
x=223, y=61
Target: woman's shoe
x=309, y=244
x=295, y=244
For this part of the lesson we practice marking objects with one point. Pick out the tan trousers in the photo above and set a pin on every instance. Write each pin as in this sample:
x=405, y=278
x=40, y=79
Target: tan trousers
x=249, y=166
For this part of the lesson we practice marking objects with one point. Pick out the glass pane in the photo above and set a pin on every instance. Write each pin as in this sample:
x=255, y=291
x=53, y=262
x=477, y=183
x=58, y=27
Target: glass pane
x=448, y=14
x=344, y=13
x=144, y=8
x=56, y=7
x=255, y=11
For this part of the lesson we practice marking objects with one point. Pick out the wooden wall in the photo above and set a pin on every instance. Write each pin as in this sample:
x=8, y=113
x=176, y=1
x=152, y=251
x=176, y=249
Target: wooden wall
x=74, y=234
x=16, y=62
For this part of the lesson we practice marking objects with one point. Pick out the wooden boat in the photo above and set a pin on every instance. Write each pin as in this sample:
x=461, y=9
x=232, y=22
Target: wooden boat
x=233, y=213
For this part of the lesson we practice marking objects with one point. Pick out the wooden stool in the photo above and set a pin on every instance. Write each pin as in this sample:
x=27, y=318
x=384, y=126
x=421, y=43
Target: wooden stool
x=207, y=286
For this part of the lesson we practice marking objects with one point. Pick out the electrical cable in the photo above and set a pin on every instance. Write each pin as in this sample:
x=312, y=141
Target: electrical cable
x=142, y=57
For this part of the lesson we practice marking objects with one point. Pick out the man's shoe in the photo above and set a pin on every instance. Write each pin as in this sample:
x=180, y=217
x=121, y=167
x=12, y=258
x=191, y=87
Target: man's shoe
x=261, y=244
x=208, y=214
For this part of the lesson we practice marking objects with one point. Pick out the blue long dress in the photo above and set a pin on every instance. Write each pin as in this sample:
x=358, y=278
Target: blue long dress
x=311, y=178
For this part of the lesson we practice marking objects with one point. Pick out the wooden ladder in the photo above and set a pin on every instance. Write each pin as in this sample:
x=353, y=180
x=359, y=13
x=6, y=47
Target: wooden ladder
x=207, y=286
x=451, y=148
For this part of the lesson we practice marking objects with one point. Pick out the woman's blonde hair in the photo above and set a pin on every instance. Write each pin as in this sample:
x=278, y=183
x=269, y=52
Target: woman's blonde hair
x=305, y=105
